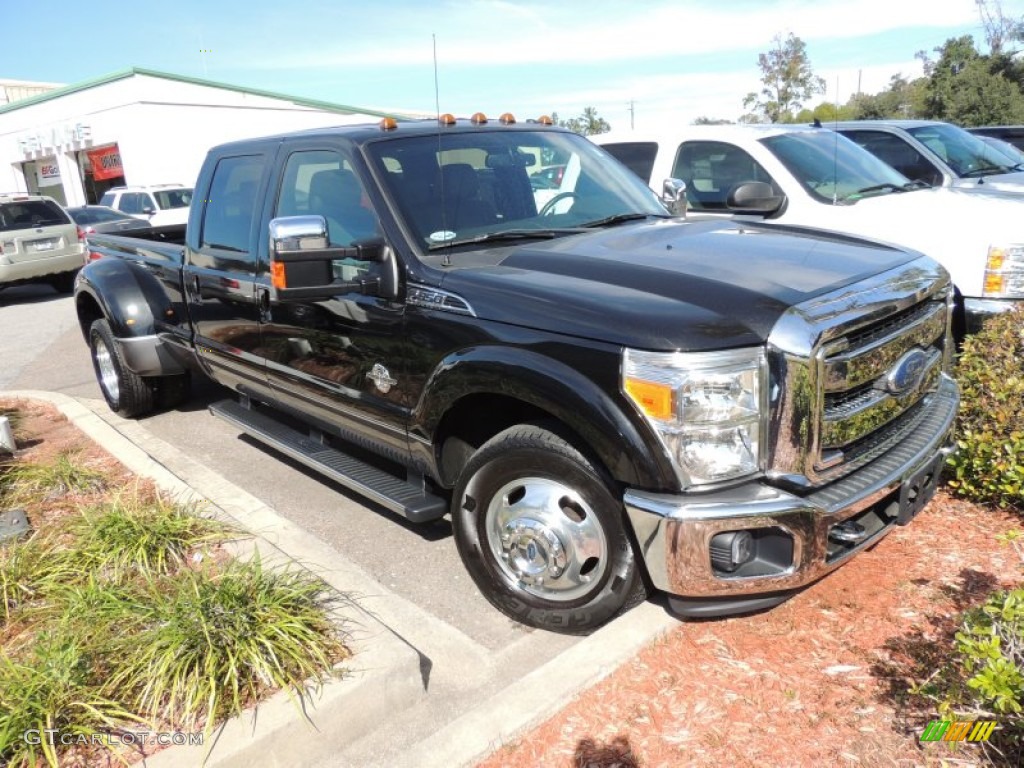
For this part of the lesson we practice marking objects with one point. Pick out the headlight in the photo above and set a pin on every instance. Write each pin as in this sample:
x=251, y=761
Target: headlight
x=705, y=407
x=1004, y=271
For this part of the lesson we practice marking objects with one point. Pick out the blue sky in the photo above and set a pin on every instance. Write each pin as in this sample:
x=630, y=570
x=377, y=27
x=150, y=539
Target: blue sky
x=675, y=59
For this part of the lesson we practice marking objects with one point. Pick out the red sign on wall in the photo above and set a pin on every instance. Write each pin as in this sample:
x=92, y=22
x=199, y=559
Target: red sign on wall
x=106, y=163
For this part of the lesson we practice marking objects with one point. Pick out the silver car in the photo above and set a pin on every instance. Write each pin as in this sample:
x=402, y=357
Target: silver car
x=38, y=242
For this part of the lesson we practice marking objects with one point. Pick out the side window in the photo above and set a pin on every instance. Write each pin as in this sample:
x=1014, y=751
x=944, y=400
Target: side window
x=638, y=156
x=130, y=202
x=107, y=199
x=147, y=202
x=711, y=170
x=898, y=154
x=231, y=207
x=322, y=182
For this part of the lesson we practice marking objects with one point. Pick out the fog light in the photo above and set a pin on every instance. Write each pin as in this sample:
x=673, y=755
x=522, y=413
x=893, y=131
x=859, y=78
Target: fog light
x=731, y=550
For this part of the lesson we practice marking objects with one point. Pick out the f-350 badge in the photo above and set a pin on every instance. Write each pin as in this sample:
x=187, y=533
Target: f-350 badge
x=379, y=375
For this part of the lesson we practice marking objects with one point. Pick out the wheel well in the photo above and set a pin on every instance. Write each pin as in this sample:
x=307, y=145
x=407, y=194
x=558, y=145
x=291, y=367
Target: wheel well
x=88, y=312
x=475, y=419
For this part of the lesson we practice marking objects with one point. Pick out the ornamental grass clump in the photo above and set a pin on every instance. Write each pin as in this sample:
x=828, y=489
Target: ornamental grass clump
x=212, y=642
x=132, y=533
x=53, y=687
x=988, y=466
x=67, y=472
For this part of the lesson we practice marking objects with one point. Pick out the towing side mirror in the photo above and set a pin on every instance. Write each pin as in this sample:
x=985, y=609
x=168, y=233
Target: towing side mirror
x=673, y=196
x=754, y=197
x=302, y=262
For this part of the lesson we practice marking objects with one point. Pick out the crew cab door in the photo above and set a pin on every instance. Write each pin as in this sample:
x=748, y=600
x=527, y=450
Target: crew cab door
x=341, y=359
x=220, y=270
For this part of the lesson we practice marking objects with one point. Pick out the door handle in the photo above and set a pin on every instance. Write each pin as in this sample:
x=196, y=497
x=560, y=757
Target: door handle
x=197, y=295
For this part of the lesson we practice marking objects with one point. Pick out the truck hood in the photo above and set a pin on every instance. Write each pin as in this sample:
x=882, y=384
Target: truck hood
x=955, y=226
x=1001, y=182
x=669, y=285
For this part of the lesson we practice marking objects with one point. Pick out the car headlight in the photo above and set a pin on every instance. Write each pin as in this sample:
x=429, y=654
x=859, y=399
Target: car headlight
x=1004, y=271
x=705, y=407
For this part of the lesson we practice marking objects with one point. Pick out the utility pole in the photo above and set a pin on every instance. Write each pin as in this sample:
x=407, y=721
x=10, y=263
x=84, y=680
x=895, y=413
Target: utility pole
x=632, y=111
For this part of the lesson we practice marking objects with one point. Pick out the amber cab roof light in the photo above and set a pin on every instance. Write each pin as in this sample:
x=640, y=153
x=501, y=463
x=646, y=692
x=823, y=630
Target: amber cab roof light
x=446, y=119
x=388, y=124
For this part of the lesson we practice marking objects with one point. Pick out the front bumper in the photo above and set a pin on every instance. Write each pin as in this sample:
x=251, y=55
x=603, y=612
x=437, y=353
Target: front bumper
x=675, y=531
x=977, y=311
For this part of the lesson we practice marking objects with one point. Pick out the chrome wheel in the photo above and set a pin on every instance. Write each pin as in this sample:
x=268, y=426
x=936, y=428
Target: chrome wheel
x=546, y=539
x=106, y=370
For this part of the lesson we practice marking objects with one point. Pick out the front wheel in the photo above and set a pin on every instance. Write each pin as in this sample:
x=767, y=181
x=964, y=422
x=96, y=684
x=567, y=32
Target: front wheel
x=127, y=393
x=542, y=533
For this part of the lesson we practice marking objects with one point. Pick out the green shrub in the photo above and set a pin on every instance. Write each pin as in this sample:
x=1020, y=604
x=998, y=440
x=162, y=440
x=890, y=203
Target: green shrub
x=988, y=466
x=991, y=647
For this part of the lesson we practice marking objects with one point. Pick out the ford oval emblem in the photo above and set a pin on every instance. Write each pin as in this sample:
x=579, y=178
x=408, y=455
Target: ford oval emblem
x=905, y=376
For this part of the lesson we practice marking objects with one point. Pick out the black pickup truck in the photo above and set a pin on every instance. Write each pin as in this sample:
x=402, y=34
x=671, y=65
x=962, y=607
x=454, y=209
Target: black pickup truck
x=606, y=398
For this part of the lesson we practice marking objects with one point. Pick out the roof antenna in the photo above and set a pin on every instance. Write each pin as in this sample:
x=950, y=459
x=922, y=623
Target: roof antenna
x=447, y=260
x=835, y=149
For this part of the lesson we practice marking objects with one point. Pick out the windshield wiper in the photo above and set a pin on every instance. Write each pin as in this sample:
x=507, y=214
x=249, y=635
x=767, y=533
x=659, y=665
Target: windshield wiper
x=509, y=234
x=986, y=171
x=886, y=187
x=620, y=218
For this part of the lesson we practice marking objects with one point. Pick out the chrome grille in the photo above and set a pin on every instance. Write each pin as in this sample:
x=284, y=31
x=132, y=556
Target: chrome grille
x=852, y=369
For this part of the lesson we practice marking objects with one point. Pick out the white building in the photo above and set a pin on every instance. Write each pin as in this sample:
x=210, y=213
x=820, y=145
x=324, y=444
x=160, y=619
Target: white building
x=139, y=126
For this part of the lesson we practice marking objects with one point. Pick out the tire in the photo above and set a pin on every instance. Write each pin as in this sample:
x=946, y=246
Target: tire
x=127, y=393
x=541, y=533
x=171, y=391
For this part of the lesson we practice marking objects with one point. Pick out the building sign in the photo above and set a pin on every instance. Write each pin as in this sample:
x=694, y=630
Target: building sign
x=47, y=173
x=106, y=163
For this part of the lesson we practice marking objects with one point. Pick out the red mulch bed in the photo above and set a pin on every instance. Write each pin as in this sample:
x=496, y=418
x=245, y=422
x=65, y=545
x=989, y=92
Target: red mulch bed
x=821, y=680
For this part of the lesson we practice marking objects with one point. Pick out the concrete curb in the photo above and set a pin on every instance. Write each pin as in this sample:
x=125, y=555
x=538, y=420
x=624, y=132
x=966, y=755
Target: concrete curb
x=540, y=694
x=384, y=676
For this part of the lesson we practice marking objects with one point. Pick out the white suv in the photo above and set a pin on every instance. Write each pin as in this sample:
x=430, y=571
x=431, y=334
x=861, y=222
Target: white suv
x=160, y=204
x=38, y=242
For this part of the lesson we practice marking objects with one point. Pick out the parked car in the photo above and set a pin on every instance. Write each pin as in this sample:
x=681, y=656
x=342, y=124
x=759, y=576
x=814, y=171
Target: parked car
x=602, y=398
x=790, y=174
x=38, y=242
x=939, y=154
x=160, y=204
x=1012, y=134
x=548, y=178
x=100, y=218
x=1014, y=154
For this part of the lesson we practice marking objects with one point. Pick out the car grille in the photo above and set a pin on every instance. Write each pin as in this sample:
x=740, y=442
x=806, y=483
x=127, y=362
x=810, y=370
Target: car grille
x=851, y=372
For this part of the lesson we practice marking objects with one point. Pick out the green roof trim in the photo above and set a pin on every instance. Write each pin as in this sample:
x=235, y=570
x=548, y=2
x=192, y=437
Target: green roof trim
x=132, y=71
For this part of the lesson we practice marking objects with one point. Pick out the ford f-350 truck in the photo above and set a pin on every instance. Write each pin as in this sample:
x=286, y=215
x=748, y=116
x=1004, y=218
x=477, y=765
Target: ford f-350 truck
x=606, y=398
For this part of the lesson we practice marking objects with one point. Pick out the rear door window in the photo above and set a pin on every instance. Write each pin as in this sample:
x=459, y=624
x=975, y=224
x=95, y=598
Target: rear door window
x=638, y=156
x=231, y=209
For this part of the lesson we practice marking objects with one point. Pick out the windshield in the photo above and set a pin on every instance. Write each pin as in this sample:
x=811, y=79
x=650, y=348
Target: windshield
x=1007, y=151
x=173, y=198
x=834, y=169
x=463, y=188
x=964, y=152
x=95, y=215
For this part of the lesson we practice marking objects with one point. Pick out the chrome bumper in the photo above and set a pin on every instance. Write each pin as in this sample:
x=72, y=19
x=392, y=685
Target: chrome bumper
x=674, y=531
x=977, y=311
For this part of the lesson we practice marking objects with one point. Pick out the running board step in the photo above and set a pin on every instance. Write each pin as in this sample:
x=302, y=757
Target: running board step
x=411, y=501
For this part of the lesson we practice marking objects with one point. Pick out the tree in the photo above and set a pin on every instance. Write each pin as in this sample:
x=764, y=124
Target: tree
x=902, y=99
x=968, y=88
x=587, y=124
x=702, y=120
x=787, y=80
x=999, y=30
